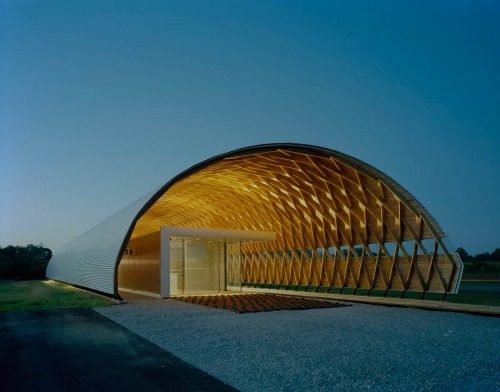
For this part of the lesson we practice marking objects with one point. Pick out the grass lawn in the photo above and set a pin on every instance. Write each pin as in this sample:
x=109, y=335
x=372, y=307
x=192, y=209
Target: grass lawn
x=483, y=297
x=489, y=297
x=479, y=282
x=475, y=298
x=45, y=294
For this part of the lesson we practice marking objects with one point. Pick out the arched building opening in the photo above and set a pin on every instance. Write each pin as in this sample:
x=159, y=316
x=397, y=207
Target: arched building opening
x=339, y=225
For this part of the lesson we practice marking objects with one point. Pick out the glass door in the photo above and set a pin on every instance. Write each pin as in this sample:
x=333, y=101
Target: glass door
x=204, y=265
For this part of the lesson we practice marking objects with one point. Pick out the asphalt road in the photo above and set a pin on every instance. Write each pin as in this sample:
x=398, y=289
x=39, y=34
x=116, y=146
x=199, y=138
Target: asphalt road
x=81, y=350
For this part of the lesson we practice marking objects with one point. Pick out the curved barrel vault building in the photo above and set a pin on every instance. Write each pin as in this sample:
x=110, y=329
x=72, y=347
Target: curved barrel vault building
x=285, y=216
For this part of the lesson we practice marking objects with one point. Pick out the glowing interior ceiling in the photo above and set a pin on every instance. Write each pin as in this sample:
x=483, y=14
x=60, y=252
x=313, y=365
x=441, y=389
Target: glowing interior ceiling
x=310, y=200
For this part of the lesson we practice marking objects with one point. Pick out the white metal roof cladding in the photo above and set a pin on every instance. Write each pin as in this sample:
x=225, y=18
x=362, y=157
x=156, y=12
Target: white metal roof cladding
x=90, y=259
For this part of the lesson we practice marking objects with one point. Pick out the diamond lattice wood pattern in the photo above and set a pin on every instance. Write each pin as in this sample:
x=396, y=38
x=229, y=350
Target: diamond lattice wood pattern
x=339, y=222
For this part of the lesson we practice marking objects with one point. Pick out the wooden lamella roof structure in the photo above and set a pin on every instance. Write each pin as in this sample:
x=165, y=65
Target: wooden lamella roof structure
x=339, y=222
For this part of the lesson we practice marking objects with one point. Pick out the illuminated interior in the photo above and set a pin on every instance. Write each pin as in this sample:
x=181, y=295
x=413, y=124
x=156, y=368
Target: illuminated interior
x=339, y=223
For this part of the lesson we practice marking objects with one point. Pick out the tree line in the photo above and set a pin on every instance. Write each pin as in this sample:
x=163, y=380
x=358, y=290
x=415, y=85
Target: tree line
x=483, y=265
x=480, y=257
x=24, y=262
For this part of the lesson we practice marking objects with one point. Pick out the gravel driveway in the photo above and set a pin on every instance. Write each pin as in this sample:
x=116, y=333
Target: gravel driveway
x=359, y=347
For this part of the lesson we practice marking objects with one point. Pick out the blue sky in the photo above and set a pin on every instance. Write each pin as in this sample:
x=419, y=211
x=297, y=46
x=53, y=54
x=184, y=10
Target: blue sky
x=103, y=101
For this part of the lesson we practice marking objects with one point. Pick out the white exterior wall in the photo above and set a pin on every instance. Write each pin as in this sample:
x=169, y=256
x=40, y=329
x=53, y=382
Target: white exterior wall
x=90, y=259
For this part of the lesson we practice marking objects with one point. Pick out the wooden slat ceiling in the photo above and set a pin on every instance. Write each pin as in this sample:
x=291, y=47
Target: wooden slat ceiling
x=309, y=201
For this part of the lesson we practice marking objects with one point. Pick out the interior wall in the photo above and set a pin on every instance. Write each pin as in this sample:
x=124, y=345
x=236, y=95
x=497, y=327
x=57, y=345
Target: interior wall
x=140, y=270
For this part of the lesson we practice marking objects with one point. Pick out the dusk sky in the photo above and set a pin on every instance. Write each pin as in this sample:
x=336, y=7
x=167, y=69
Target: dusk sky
x=103, y=101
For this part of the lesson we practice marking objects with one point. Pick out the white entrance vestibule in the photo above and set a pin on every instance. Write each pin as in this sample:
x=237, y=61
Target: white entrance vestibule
x=203, y=261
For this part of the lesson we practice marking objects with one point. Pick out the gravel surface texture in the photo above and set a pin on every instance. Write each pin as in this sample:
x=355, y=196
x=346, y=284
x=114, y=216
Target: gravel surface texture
x=353, y=348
